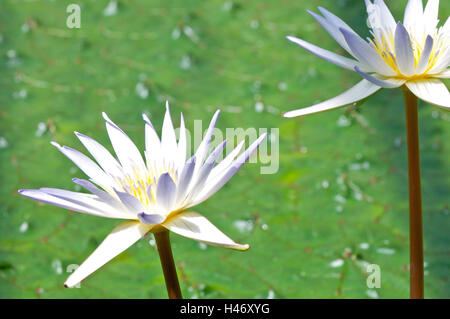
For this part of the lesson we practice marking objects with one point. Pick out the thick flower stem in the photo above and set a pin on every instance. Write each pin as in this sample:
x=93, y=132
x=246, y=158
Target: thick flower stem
x=415, y=198
x=168, y=265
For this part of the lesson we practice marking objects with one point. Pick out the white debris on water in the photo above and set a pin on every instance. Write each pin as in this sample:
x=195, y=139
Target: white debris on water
x=264, y=227
x=343, y=121
x=244, y=226
x=202, y=246
x=185, y=63
x=3, y=142
x=41, y=129
x=21, y=94
x=259, y=107
x=282, y=86
x=372, y=294
x=141, y=90
x=337, y=263
x=111, y=9
x=364, y=246
x=57, y=266
x=23, y=227
x=385, y=251
x=271, y=294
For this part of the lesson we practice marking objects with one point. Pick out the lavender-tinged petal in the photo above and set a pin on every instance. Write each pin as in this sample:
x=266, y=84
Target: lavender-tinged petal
x=329, y=56
x=213, y=186
x=101, y=155
x=88, y=166
x=404, y=51
x=425, y=56
x=150, y=219
x=165, y=192
x=133, y=204
x=185, y=179
x=387, y=83
x=366, y=54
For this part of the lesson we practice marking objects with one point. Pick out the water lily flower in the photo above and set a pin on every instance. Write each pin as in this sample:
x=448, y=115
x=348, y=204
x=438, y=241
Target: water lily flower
x=415, y=53
x=151, y=195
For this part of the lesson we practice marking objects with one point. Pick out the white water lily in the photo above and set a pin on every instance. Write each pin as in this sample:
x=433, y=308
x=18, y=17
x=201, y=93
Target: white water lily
x=415, y=54
x=151, y=195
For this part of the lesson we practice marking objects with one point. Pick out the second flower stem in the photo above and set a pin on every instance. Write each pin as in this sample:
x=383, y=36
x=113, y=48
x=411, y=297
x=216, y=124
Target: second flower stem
x=168, y=265
x=415, y=197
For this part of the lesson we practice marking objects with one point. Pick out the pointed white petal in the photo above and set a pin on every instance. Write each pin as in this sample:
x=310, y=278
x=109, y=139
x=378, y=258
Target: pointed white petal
x=204, y=172
x=213, y=185
x=380, y=16
x=332, y=28
x=152, y=142
x=184, y=180
x=168, y=137
x=226, y=162
x=101, y=155
x=413, y=13
x=404, y=54
x=377, y=80
x=132, y=204
x=366, y=54
x=102, y=195
x=128, y=154
x=430, y=15
x=195, y=226
x=325, y=54
x=359, y=92
x=87, y=165
x=203, y=148
x=425, y=56
x=86, y=205
x=122, y=237
x=181, y=149
x=432, y=91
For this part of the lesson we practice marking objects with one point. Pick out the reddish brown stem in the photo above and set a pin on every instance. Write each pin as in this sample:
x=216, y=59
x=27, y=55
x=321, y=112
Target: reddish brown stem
x=415, y=198
x=168, y=265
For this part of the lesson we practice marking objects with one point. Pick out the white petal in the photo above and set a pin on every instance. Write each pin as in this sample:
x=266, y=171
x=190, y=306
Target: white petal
x=195, y=226
x=165, y=193
x=87, y=165
x=443, y=75
x=152, y=142
x=325, y=54
x=380, y=81
x=432, y=91
x=413, y=13
x=184, y=180
x=168, y=137
x=86, y=205
x=360, y=91
x=102, y=195
x=213, y=185
x=128, y=154
x=204, y=172
x=380, y=16
x=425, y=56
x=133, y=205
x=101, y=155
x=181, y=149
x=430, y=16
x=404, y=54
x=442, y=63
x=332, y=27
x=203, y=148
x=226, y=162
x=122, y=237
x=366, y=54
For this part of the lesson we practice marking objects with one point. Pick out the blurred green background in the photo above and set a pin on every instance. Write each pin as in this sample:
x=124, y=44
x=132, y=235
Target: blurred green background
x=338, y=202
